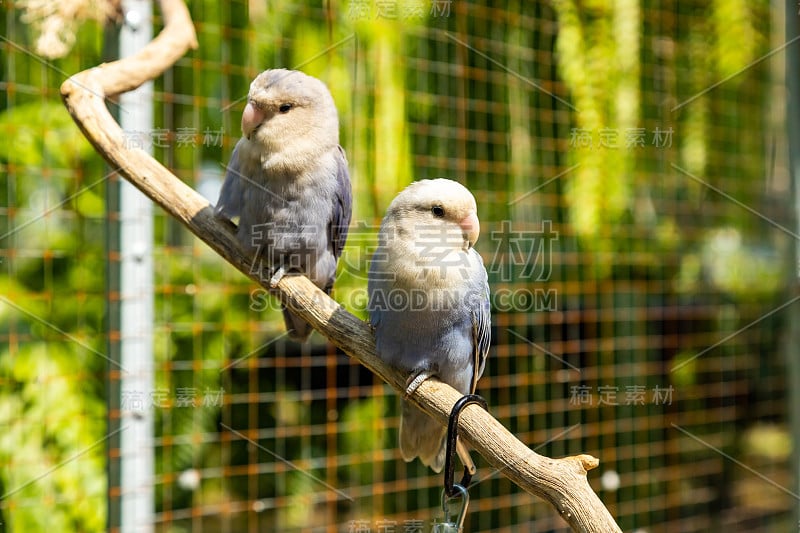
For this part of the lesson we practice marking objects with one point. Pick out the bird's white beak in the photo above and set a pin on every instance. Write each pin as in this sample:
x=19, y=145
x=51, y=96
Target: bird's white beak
x=251, y=118
x=471, y=227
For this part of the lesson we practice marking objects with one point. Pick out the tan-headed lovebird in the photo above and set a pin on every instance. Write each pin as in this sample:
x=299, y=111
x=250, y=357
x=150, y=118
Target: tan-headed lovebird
x=429, y=302
x=288, y=184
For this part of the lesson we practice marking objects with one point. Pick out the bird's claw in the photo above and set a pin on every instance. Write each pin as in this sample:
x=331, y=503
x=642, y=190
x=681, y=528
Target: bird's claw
x=276, y=278
x=227, y=223
x=416, y=379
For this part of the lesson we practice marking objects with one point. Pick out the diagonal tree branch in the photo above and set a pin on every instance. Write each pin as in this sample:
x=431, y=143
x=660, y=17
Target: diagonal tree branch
x=561, y=482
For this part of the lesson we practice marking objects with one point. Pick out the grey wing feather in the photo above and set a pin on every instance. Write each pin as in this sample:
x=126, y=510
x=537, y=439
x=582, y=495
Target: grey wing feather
x=342, y=206
x=229, y=204
x=374, y=286
x=481, y=333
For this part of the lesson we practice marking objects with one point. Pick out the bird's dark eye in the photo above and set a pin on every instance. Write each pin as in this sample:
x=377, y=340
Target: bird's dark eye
x=438, y=211
x=285, y=108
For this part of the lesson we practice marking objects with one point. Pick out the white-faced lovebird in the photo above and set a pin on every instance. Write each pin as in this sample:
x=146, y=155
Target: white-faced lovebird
x=429, y=302
x=288, y=184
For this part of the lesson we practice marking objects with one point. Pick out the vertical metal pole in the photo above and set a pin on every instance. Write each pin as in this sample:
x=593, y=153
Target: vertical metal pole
x=793, y=337
x=136, y=460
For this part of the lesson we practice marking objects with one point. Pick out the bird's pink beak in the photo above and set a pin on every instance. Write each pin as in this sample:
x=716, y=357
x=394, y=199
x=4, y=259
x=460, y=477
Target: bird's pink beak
x=471, y=227
x=251, y=118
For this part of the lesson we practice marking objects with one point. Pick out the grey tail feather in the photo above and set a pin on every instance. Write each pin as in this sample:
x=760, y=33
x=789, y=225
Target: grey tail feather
x=423, y=437
x=299, y=330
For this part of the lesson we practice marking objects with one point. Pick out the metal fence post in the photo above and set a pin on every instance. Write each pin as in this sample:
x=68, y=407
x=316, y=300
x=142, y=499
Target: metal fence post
x=131, y=309
x=793, y=337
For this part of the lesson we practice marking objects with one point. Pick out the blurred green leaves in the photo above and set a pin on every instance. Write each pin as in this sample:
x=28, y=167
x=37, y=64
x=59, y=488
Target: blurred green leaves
x=736, y=40
x=52, y=405
x=44, y=136
x=53, y=428
x=599, y=59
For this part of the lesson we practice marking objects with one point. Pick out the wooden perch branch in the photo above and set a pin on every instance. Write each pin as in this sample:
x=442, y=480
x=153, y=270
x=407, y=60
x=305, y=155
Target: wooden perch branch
x=561, y=482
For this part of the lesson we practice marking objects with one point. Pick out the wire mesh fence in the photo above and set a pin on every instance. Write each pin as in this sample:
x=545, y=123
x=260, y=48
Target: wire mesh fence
x=630, y=166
